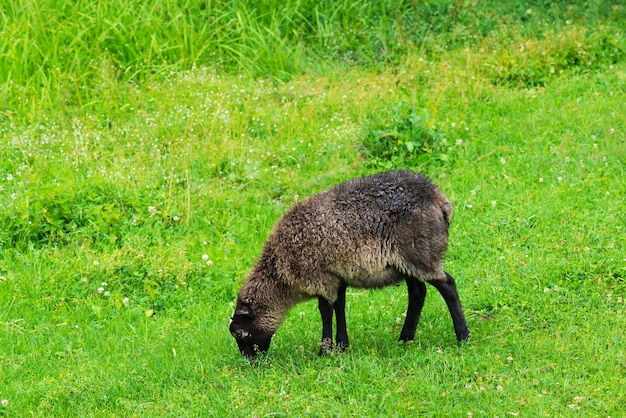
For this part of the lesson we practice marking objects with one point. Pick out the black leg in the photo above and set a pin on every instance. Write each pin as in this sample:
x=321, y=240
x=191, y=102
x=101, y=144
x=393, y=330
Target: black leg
x=417, y=293
x=447, y=288
x=326, y=311
x=340, y=316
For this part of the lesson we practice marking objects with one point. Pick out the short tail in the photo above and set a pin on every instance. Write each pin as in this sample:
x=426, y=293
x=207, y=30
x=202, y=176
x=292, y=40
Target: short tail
x=446, y=208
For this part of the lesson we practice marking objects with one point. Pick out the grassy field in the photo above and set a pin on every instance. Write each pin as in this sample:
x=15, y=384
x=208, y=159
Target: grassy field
x=147, y=148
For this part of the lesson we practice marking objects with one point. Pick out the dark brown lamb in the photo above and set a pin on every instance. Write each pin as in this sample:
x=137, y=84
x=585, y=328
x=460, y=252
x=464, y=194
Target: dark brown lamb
x=368, y=232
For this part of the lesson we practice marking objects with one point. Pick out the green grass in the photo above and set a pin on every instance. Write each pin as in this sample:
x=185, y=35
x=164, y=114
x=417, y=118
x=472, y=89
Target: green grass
x=145, y=156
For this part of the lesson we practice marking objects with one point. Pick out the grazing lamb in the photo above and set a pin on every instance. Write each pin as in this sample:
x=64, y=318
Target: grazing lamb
x=368, y=232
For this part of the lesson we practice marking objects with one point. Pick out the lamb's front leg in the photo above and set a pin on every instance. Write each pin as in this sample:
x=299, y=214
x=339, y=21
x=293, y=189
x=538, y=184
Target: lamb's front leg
x=326, y=311
x=340, y=315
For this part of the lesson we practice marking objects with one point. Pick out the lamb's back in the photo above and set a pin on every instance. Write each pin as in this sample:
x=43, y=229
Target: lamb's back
x=357, y=229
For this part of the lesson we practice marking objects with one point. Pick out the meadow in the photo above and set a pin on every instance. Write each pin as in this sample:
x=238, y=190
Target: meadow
x=147, y=148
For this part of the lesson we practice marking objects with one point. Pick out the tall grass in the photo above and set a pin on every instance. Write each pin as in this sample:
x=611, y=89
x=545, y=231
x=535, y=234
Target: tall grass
x=63, y=51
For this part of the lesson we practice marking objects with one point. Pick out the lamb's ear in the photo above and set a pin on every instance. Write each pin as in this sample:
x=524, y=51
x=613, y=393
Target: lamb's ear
x=243, y=310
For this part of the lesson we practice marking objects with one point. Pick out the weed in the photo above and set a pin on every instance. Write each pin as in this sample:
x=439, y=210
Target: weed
x=407, y=139
x=532, y=62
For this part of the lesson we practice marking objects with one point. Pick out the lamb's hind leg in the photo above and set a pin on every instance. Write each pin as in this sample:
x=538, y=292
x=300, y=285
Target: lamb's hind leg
x=417, y=293
x=447, y=288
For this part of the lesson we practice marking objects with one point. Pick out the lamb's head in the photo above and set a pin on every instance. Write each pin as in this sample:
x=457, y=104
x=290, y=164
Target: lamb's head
x=252, y=329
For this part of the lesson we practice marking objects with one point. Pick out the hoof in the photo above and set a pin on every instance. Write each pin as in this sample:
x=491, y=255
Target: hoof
x=327, y=347
x=464, y=336
x=341, y=345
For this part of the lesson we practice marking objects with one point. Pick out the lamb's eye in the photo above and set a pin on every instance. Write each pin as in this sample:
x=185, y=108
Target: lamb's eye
x=241, y=334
